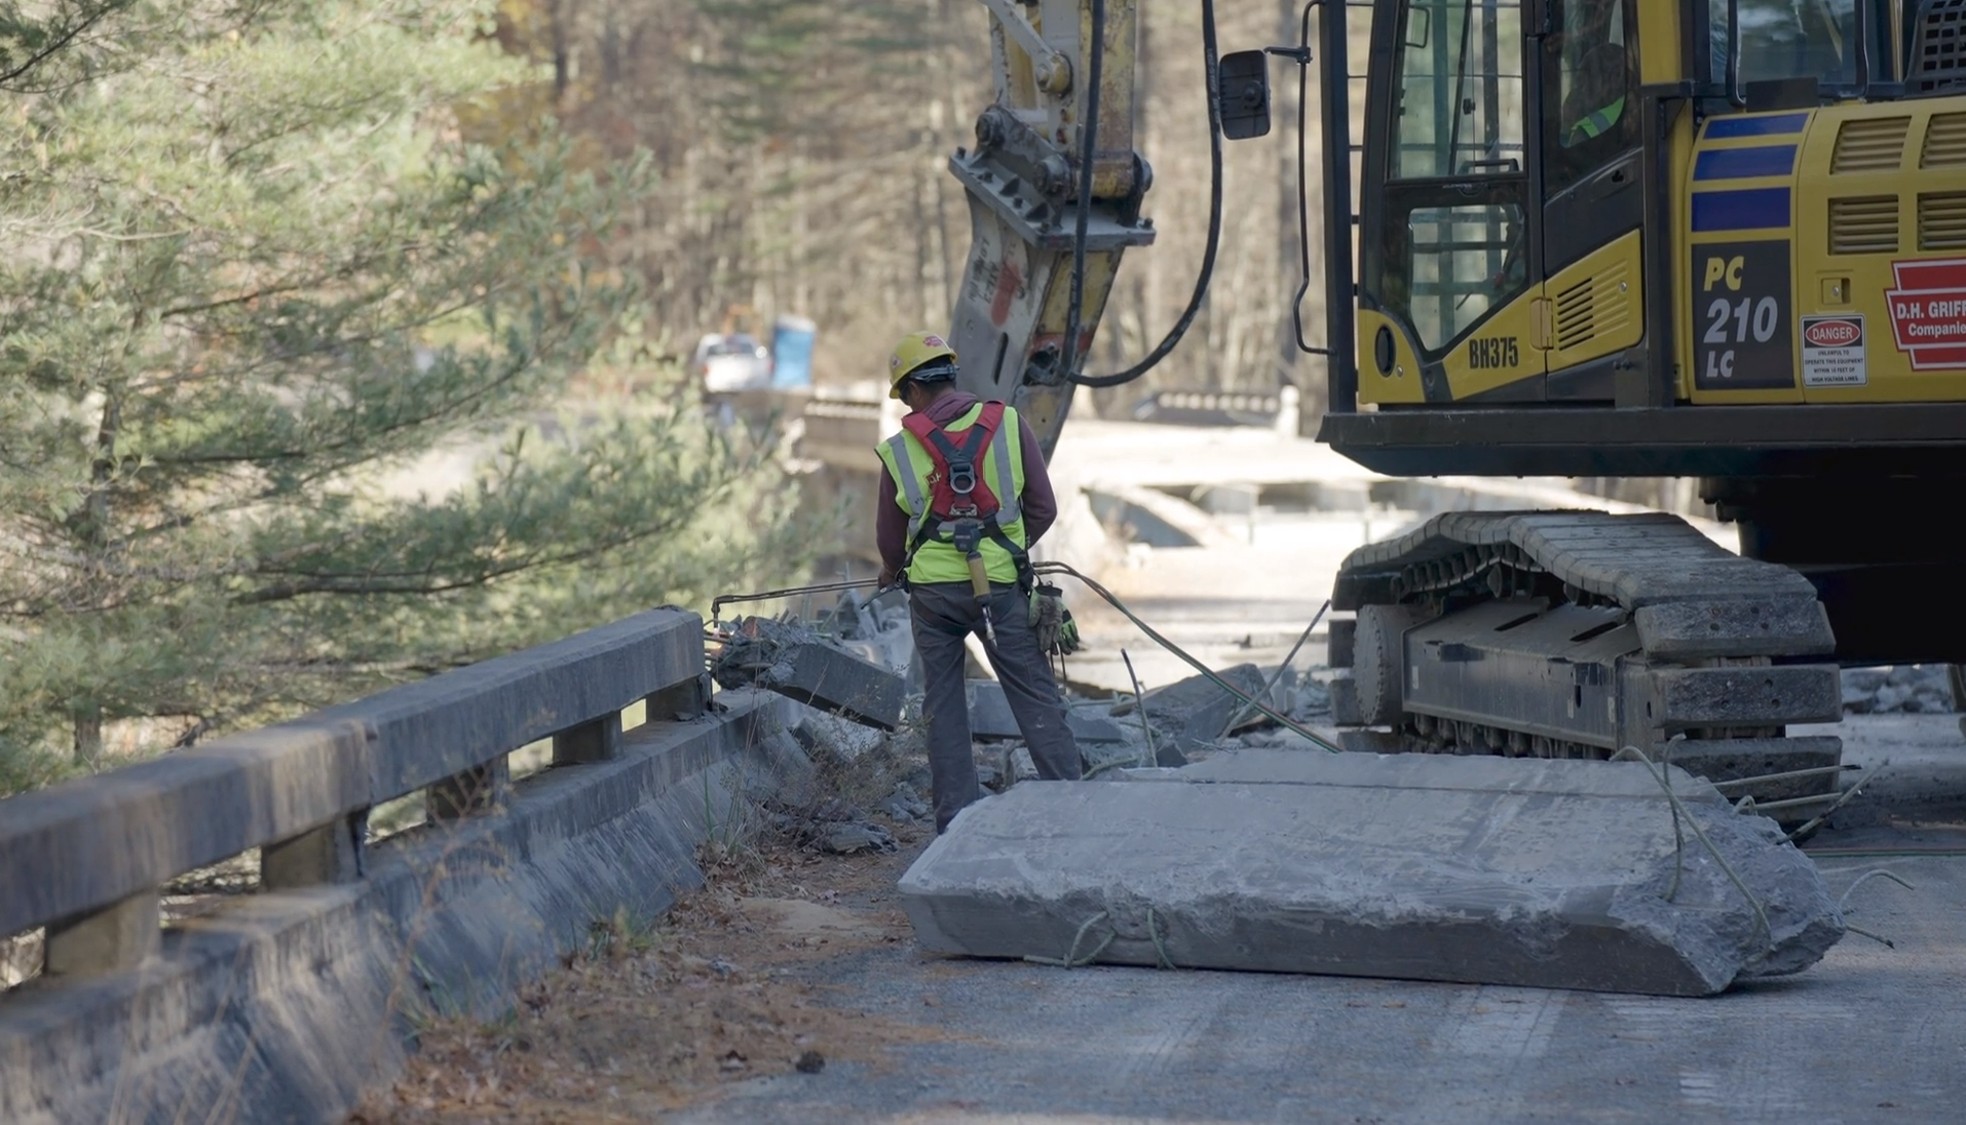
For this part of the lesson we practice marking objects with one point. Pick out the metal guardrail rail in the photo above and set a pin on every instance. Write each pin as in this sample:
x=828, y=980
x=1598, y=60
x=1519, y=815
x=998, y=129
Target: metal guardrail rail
x=88, y=859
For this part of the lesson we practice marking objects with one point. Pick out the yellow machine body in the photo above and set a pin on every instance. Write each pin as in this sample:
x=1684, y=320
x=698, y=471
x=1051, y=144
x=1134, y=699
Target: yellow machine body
x=1818, y=252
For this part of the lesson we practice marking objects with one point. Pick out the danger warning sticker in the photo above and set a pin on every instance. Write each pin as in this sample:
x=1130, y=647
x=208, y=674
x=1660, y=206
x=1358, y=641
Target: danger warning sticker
x=1928, y=313
x=1833, y=351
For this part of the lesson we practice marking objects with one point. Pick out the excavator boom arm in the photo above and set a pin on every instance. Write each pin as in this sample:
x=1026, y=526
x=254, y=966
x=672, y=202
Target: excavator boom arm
x=1029, y=185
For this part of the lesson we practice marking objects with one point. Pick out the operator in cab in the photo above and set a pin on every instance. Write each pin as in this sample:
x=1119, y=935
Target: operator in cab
x=964, y=497
x=1593, y=106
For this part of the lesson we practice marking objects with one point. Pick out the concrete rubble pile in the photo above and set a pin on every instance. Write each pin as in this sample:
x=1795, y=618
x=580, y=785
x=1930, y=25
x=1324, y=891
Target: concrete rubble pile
x=876, y=629
x=830, y=779
x=812, y=667
x=856, y=660
x=1906, y=688
x=1560, y=874
x=1188, y=720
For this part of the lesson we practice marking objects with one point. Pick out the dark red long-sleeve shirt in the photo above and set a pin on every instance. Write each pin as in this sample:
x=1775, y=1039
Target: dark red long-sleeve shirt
x=1039, y=502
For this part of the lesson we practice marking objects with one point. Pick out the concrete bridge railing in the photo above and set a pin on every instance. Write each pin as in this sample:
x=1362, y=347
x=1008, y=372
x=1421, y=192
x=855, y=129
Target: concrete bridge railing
x=278, y=1004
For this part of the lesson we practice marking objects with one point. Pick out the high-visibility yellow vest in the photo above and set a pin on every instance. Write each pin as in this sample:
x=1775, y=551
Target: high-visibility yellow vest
x=911, y=465
x=1596, y=123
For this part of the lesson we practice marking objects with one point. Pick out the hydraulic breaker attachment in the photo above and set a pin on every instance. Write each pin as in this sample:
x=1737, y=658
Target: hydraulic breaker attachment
x=1023, y=181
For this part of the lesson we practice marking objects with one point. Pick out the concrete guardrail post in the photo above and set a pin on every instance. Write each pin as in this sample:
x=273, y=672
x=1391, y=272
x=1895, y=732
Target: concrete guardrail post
x=119, y=936
x=331, y=853
x=680, y=702
x=595, y=741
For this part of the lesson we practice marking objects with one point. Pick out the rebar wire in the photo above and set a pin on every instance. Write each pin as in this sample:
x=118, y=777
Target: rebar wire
x=1072, y=960
x=1665, y=783
x=1277, y=677
x=1865, y=877
x=1140, y=706
x=1113, y=600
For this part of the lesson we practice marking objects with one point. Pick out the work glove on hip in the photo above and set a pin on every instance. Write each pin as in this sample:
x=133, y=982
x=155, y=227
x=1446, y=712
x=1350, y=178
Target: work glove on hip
x=1056, y=632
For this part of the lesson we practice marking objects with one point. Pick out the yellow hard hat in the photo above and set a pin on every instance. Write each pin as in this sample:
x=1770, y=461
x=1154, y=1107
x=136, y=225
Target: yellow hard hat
x=920, y=354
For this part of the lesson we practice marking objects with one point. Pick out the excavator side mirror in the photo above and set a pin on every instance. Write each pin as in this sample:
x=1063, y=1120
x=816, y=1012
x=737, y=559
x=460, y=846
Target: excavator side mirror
x=1243, y=93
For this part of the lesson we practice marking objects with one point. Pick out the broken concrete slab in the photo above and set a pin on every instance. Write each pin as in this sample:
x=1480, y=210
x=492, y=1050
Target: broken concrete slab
x=1101, y=709
x=801, y=664
x=1194, y=712
x=1452, y=772
x=851, y=838
x=990, y=716
x=878, y=630
x=1280, y=695
x=906, y=803
x=1310, y=699
x=833, y=740
x=1112, y=759
x=1513, y=872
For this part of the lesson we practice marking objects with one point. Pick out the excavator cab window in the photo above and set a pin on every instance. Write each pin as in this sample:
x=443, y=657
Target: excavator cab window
x=1589, y=78
x=1456, y=189
x=1788, y=39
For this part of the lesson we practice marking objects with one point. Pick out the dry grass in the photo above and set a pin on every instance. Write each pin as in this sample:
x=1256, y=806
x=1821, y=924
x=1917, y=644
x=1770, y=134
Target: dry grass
x=650, y=1018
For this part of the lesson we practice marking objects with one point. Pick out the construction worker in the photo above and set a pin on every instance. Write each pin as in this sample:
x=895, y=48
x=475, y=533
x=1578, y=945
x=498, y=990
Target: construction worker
x=1596, y=103
x=964, y=497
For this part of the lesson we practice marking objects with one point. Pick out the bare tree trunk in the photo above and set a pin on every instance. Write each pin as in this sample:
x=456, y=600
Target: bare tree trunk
x=919, y=181
x=88, y=736
x=946, y=280
x=611, y=50
x=801, y=229
x=1288, y=235
x=559, y=15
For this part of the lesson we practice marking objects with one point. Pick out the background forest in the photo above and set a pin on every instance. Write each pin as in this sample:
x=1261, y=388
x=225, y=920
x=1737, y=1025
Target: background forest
x=280, y=278
x=800, y=156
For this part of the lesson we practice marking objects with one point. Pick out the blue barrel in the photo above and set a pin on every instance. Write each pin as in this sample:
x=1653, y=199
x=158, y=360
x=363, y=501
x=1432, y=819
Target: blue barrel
x=791, y=352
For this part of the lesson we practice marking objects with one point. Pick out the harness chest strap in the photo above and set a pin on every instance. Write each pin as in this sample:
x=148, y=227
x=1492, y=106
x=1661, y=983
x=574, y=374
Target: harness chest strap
x=1004, y=485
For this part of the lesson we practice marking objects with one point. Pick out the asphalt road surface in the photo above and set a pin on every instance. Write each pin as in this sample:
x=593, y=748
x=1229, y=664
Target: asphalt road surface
x=1871, y=1033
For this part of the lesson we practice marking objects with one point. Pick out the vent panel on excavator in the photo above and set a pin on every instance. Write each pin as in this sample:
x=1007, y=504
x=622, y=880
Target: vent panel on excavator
x=1938, y=48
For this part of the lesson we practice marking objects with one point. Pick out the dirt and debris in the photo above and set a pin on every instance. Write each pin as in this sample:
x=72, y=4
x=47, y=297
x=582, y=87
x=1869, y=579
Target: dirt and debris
x=653, y=1015
x=1905, y=688
x=876, y=628
x=650, y=1017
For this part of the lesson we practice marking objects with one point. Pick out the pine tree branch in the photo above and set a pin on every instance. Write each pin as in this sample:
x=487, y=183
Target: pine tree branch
x=244, y=298
x=62, y=41
x=427, y=582
x=450, y=408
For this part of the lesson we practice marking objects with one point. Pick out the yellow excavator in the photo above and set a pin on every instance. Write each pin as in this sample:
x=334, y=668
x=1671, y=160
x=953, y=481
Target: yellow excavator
x=1720, y=239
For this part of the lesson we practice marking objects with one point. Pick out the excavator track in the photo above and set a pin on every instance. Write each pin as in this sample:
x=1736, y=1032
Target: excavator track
x=1577, y=634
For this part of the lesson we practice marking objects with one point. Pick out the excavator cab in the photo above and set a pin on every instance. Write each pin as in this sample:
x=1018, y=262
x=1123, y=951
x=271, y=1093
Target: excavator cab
x=1509, y=157
x=1712, y=239
x=1722, y=239
x=1507, y=187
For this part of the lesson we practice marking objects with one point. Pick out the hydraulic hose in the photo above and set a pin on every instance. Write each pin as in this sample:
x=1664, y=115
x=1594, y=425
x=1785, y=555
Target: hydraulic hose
x=1089, y=139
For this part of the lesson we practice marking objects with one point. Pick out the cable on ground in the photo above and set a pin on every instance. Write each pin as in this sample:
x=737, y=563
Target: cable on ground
x=1088, y=147
x=1261, y=708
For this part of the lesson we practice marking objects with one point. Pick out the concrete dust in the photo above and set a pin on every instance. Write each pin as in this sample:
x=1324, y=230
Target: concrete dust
x=801, y=922
x=649, y=1020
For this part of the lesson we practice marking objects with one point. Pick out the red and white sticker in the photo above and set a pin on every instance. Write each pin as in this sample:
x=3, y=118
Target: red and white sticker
x=1833, y=352
x=1928, y=313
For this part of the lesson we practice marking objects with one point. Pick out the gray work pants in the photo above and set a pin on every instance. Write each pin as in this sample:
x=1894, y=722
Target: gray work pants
x=944, y=614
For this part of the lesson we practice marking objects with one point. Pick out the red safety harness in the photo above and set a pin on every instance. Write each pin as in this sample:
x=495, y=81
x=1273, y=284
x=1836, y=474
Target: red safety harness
x=962, y=508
